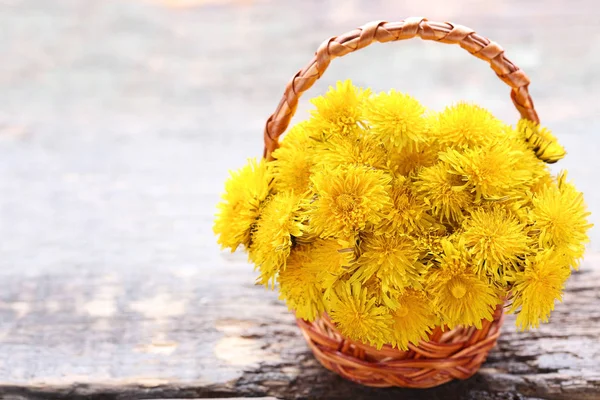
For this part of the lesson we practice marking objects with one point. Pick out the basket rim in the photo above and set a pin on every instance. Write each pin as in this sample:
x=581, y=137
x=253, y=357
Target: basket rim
x=429, y=364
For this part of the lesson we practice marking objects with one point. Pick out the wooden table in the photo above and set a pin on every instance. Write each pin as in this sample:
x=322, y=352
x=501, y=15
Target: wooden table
x=118, y=122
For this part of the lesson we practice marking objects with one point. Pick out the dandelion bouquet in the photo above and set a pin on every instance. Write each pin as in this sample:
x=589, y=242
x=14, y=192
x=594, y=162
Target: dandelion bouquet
x=394, y=221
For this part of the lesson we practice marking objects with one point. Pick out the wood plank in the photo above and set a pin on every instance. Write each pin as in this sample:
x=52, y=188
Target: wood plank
x=180, y=333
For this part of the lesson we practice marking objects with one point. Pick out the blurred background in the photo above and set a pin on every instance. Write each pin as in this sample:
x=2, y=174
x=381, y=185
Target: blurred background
x=119, y=121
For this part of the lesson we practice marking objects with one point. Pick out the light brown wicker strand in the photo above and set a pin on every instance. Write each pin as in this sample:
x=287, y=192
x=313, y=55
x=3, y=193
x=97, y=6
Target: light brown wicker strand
x=381, y=31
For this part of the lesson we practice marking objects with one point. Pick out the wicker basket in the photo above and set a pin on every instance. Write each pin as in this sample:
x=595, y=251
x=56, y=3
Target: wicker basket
x=453, y=354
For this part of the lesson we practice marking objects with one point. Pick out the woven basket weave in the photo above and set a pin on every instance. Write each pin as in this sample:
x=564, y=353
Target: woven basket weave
x=453, y=354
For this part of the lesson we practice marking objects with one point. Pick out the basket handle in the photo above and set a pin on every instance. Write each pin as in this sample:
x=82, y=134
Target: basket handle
x=381, y=31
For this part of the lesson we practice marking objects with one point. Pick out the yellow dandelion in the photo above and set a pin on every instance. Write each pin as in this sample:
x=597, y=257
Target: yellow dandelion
x=443, y=192
x=345, y=150
x=561, y=216
x=396, y=119
x=462, y=297
x=466, y=125
x=406, y=212
x=409, y=160
x=299, y=284
x=300, y=135
x=280, y=220
x=332, y=260
x=541, y=141
x=491, y=172
x=293, y=160
x=429, y=242
x=496, y=239
x=357, y=316
x=539, y=173
x=413, y=319
x=542, y=183
x=516, y=206
x=388, y=298
x=340, y=111
x=347, y=198
x=245, y=191
x=392, y=258
x=536, y=289
x=527, y=159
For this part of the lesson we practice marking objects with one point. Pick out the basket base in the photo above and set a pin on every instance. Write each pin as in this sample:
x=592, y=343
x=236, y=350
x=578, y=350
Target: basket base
x=449, y=355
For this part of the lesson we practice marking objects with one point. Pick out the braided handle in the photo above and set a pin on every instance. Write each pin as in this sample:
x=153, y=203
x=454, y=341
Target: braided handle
x=381, y=31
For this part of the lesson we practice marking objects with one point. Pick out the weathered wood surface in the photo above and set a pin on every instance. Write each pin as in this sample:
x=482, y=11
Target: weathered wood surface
x=118, y=122
x=182, y=332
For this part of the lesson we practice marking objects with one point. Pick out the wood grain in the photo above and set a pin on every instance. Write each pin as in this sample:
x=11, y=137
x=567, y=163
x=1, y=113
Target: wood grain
x=181, y=334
